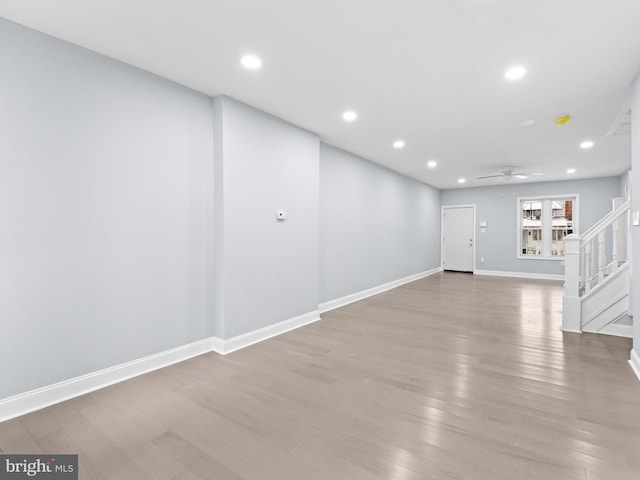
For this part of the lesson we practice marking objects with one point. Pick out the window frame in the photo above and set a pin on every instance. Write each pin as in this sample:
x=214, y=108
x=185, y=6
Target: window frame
x=547, y=224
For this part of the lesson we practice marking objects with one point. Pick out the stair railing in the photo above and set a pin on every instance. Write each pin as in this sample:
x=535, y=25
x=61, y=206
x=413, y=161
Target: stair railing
x=591, y=257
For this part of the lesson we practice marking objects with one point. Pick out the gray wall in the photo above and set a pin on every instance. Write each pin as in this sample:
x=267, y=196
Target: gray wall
x=376, y=226
x=105, y=253
x=635, y=207
x=270, y=270
x=498, y=206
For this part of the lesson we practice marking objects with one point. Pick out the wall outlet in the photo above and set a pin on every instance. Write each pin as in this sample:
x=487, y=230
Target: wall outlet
x=481, y=259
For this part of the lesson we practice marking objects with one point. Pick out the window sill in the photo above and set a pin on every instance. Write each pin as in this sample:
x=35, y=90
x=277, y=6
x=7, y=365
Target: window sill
x=541, y=257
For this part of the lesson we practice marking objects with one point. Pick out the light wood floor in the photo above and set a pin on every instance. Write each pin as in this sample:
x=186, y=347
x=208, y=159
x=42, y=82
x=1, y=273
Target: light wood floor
x=449, y=377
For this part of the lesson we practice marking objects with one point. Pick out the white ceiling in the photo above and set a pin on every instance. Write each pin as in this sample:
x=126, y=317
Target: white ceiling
x=430, y=72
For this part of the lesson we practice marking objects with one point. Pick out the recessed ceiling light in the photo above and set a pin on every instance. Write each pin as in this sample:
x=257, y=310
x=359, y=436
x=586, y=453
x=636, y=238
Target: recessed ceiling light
x=587, y=144
x=432, y=164
x=349, y=116
x=537, y=174
x=571, y=170
x=520, y=176
x=461, y=180
x=251, y=62
x=398, y=144
x=515, y=73
x=526, y=123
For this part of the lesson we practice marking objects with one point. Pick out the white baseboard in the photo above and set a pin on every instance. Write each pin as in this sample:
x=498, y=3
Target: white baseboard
x=569, y=330
x=246, y=339
x=33, y=400
x=634, y=361
x=616, y=330
x=534, y=276
x=40, y=398
x=354, y=297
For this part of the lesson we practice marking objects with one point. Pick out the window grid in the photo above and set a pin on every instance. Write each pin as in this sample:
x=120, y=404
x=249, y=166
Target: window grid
x=543, y=224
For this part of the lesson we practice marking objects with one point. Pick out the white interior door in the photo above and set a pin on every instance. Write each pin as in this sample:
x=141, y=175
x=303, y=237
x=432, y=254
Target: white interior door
x=458, y=238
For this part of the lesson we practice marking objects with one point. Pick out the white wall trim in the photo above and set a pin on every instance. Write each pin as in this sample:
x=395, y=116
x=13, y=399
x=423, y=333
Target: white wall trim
x=21, y=404
x=246, y=339
x=33, y=400
x=534, y=276
x=354, y=297
x=634, y=361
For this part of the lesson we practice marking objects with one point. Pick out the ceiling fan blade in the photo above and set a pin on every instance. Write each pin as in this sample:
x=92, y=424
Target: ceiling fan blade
x=489, y=176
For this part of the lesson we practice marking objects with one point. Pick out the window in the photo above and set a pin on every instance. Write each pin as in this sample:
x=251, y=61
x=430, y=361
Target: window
x=543, y=222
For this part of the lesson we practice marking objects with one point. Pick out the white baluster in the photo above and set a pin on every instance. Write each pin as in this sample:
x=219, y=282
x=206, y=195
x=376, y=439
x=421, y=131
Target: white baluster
x=617, y=245
x=587, y=269
x=602, y=252
x=583, y=269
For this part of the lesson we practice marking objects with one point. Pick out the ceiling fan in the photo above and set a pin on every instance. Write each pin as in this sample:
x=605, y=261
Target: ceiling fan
x=507, y=174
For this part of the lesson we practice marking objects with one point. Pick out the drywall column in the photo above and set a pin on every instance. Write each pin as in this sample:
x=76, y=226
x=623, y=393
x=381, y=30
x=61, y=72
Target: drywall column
x=267, y=269
x=635, y=230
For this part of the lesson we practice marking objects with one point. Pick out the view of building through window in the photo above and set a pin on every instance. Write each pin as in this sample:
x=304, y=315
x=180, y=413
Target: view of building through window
x=544, y=223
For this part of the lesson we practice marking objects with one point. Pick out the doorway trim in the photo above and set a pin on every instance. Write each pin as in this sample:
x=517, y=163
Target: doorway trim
x=473, y=253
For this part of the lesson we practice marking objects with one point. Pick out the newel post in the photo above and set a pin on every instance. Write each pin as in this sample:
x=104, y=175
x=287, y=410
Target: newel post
x=571, y=298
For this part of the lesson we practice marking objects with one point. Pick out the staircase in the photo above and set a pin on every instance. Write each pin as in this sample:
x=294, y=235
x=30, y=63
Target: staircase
x=597, y=277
